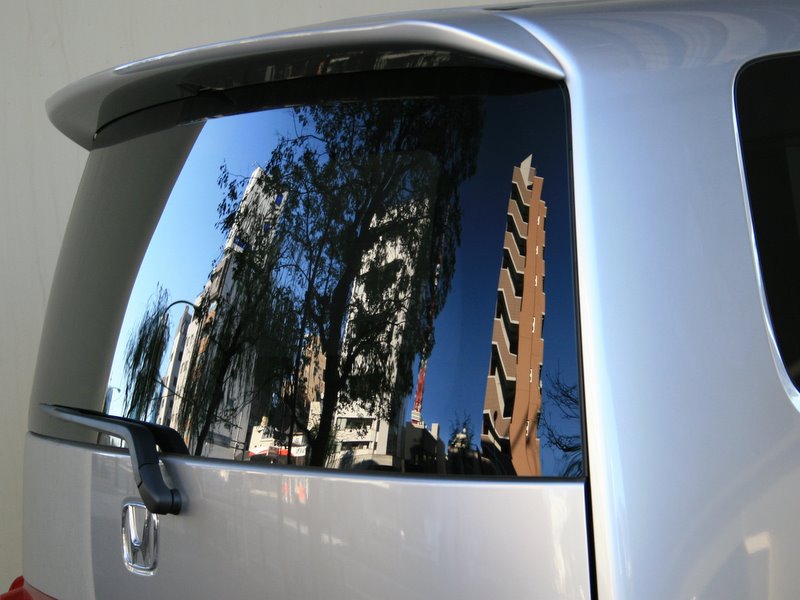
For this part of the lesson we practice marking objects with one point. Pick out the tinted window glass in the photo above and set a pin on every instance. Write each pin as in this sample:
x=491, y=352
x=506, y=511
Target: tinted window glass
x=767, y=98
x=362, y=285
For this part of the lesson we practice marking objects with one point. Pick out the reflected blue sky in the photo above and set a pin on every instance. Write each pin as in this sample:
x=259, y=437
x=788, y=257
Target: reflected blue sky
x=187, y=243
x=516, y=126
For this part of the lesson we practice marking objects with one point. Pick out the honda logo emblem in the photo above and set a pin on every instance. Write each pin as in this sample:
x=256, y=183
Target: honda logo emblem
x=139, y=538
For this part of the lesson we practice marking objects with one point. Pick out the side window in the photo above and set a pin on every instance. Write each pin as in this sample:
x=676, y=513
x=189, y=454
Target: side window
x=767, y=101
x=362, y=285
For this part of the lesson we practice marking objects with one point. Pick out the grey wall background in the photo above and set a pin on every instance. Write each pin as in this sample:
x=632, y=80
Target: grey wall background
x=45, y=44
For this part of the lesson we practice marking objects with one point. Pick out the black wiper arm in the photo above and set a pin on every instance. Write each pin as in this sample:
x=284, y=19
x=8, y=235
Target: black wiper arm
x=142, y=439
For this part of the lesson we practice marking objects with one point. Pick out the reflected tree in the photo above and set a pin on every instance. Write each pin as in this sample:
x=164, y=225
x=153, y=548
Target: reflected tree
x=242, y=325
x=245, y=326
x=461, y=432
x=143, y=356
x=560, y=424
x=339, y=254
x=367, y=234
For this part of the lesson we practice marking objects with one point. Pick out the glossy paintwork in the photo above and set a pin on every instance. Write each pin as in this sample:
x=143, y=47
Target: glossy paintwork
x=251, y=532
x=694, y=440
x=57, y=553
x=82, y=108
x=103, y=247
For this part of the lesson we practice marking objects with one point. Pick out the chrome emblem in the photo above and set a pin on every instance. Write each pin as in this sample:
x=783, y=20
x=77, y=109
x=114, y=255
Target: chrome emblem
x=139, y=538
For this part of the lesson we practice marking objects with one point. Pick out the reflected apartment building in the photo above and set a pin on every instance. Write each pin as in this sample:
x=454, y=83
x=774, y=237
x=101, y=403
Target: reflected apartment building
x=169, y=381
x=361, y=439
x=513, y=400
x=371, y=439
x=364, y=438
x=227, y=437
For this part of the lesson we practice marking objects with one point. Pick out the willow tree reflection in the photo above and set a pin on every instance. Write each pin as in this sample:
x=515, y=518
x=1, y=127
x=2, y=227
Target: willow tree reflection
x=234, y=352
x=339, y=254
x=143, y=357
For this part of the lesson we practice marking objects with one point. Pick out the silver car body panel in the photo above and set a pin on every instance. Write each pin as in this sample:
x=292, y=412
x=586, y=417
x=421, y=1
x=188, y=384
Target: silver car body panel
x=302, y=534
x=81, y=109
x=692, y=425
x=693, y=434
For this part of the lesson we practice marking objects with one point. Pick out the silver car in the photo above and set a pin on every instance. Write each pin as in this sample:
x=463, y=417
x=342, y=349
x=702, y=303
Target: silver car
x=490, y=303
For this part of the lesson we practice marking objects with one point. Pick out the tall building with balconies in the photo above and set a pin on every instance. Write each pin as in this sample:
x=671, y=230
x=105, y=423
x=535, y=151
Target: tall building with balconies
x=513, y=400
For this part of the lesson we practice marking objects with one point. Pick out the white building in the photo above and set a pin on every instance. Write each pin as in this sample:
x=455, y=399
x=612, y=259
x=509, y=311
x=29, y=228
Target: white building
x=227, y=435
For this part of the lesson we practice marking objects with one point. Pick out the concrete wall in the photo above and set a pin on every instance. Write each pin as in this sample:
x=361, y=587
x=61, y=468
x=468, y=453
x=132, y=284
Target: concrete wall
x=44, y=45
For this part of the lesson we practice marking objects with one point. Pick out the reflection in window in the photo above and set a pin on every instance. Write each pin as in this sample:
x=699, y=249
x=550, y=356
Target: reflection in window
x=371, y=304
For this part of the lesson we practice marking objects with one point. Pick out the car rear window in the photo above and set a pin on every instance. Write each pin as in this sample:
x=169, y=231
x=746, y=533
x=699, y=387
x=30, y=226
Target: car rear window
x=363, y=284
